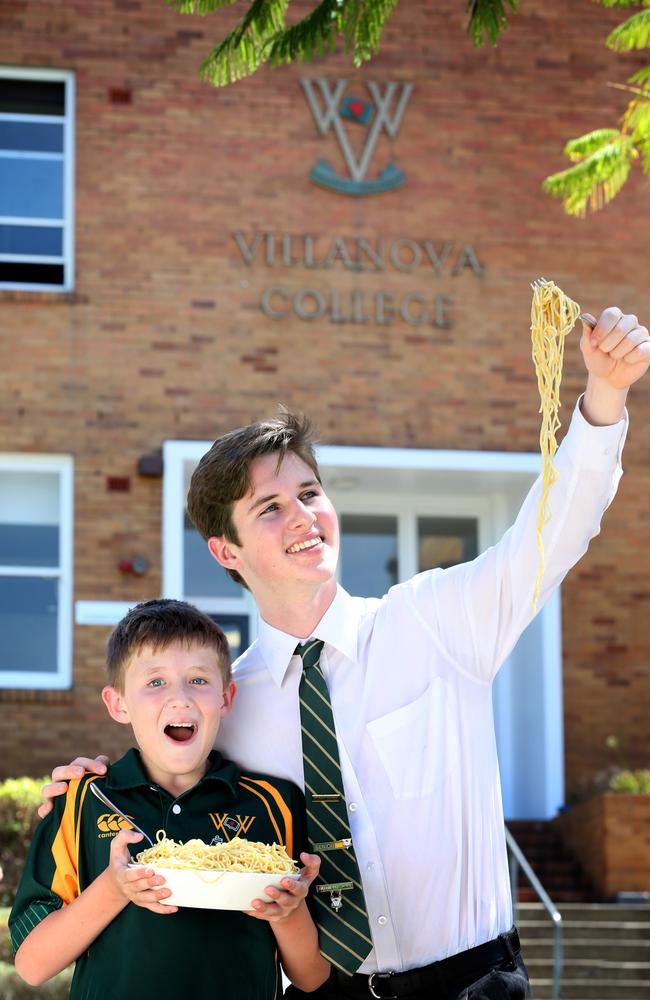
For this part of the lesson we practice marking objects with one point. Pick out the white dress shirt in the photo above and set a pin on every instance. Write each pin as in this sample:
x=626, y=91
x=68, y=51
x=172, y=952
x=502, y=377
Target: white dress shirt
x=410, y=679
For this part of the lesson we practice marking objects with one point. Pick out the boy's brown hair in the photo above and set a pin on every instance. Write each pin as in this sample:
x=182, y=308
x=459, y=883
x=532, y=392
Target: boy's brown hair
x=223, y=474
x=158, y=624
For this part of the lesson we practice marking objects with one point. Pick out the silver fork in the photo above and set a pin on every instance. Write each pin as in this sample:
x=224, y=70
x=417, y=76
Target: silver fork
x=111, y=805
x=538, y=282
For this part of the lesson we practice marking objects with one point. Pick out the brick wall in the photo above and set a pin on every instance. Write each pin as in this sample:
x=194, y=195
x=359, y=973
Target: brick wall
x=164, y=336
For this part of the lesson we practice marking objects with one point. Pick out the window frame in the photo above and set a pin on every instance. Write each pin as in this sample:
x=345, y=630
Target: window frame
x=63, y=465
x=67, y=156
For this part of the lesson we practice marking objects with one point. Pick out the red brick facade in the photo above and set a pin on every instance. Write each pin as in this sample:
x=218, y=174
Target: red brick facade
x=164, y=336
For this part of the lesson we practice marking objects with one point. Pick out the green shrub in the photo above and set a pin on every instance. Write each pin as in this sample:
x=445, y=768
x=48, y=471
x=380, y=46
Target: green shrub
x=13, y=988
x=635, y=782
x=19, y=802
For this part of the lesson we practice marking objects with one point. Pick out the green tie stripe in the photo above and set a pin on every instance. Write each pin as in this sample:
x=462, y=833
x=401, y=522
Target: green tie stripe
x=344, y=933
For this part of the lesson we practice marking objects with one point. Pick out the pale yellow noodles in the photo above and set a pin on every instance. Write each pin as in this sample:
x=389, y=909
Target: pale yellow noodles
x=236, y=856
x=552, y=317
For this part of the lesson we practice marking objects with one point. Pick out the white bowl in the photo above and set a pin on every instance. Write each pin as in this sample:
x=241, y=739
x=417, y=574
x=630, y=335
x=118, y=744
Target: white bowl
x=215, y=890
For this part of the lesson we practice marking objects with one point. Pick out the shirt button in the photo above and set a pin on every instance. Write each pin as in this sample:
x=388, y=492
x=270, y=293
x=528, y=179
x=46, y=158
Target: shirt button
x=607, y=451
x=382, y=920
x=352, y=807
x=370, y=866
x=176, y=808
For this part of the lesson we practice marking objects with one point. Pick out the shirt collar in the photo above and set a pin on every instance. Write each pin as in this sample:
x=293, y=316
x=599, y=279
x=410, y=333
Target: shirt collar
x=128, y=772
x=338, y=627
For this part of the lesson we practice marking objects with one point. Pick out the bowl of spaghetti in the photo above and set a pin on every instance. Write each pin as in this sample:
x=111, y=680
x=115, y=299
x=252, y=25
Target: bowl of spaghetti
x=226, y=876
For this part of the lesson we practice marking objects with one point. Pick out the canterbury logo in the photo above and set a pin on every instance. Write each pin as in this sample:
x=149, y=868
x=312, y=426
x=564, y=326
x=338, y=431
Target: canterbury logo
x=112, y=823
x=231, y=826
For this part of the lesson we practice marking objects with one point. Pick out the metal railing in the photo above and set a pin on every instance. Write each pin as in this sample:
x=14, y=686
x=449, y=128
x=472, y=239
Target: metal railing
x=517, y=860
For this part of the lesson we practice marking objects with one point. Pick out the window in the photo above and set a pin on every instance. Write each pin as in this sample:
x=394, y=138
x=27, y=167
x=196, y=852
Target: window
x=35, y=571
x=36, y=179
x=189, y=571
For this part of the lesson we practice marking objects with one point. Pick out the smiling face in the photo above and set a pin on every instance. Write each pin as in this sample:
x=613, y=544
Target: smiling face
x=174, y=699
x=288, y=533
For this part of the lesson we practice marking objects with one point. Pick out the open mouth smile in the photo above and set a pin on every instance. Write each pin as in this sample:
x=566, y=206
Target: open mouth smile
x=302, y=546
x=180, y=732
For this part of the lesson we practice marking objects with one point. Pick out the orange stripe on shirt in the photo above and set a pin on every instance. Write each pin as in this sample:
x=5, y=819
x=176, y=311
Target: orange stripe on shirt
x=65, y=849
x=66, y=876
x=282, y=806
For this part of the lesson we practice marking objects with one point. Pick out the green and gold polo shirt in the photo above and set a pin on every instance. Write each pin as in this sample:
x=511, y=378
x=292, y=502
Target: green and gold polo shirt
x=203, y=954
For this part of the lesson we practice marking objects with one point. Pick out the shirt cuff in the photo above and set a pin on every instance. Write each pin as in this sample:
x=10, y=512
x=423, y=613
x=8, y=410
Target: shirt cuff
x=595, y=447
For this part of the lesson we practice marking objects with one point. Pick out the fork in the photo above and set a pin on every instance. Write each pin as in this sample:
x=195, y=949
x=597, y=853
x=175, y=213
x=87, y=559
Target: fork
x=538, y=282
x=111, y=805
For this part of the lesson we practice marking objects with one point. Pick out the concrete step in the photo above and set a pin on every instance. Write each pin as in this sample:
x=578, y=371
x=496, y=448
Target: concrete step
x=597, y=930
x=586, y=989
x=581, y=949
x=588, y=912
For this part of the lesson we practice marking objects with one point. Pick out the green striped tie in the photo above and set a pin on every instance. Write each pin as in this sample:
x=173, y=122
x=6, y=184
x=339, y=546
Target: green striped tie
x=341, y=914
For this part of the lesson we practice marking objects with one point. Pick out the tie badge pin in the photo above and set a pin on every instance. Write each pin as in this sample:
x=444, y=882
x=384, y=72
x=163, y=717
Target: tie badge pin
x=335, y=889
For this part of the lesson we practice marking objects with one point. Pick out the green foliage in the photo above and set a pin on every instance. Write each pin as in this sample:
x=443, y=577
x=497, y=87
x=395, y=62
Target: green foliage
x=487, y=17
x=263, y=36
x=632, y=34
x=598, y=178
x=19, y=802
x=634, y=782
x=603, y=157
x=13, y=988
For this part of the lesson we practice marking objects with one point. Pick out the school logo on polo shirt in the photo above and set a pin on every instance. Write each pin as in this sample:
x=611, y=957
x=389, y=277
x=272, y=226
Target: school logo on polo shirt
x=110, y=824
x=231, y=826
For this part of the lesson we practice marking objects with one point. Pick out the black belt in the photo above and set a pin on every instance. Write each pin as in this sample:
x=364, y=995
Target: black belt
x=448, y=976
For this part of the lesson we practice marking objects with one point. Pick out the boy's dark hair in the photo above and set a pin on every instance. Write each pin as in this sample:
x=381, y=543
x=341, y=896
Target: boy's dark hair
x=157, y=624
x=223, y=474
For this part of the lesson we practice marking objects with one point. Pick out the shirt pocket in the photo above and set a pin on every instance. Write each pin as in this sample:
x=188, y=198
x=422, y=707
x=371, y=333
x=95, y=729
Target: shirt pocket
x=414, y=745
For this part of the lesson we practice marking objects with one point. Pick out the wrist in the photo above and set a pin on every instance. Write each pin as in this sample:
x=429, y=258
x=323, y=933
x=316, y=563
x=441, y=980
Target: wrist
x=603, y=404
x=112, y=889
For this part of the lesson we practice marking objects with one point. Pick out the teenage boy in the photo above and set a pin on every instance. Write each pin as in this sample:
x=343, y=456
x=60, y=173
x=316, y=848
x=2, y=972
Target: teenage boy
x=169, y=678
x=409, y=678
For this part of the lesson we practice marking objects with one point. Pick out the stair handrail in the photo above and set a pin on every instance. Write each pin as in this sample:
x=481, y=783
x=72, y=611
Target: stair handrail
x=519, y=860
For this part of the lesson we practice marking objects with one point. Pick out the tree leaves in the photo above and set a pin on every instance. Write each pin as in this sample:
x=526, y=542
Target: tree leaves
x=262, y=35
x=487, y=17
x=603, y=157
x=597, y=178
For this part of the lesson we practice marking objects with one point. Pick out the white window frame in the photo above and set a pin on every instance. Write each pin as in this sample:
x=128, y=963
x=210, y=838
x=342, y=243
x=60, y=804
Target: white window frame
x=62, y=465
x=176, y=455
x=67, y=156
x=409, y=483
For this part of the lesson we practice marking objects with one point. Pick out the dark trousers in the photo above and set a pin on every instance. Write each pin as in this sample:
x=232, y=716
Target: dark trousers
x=507, y=982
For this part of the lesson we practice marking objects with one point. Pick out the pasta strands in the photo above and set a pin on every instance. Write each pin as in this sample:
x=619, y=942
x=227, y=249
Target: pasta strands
x=552, y=317
x=238, y=855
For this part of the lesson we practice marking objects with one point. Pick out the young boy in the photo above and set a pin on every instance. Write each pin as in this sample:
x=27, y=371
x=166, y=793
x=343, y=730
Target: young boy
x=169, y=678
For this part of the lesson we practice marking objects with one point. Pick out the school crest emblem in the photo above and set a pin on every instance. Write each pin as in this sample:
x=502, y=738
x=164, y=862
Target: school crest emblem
x=382, y=109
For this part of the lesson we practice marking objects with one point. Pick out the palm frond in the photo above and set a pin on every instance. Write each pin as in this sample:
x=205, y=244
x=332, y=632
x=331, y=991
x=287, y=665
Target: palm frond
x=631, y=34
x=624, y=3
x=636, y=120
x=199, y=6
x=641, y=78
x=312, y=36
x=244, y=49
x=585, y=145
x=487, y=17
x=363, y=21
x=596, y=180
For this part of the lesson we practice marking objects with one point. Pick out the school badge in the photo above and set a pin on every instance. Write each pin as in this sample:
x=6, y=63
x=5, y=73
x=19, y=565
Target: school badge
x=333, y=108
